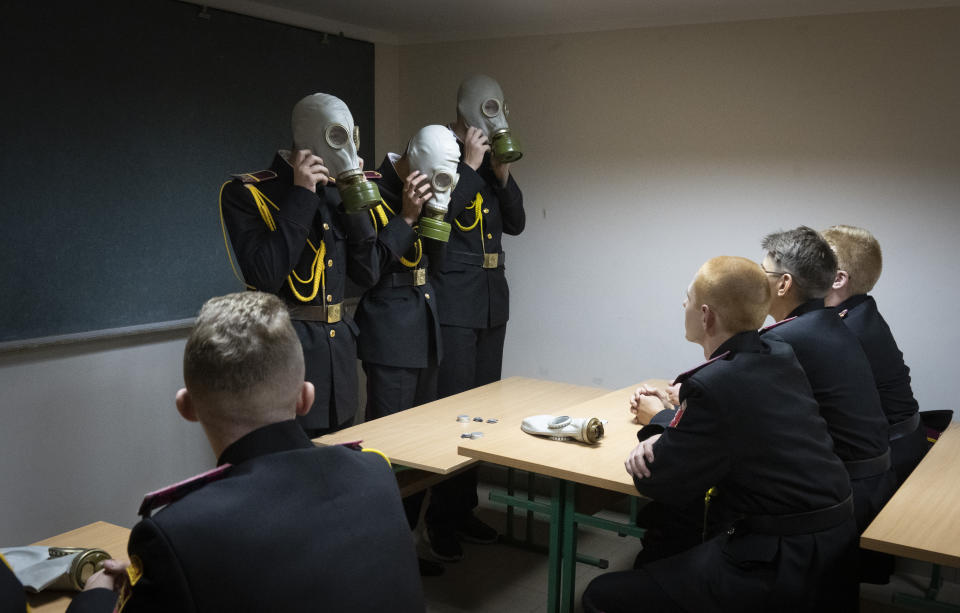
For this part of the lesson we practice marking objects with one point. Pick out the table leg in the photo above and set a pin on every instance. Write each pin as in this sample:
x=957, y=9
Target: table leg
x=555, y=552
x=568, y=577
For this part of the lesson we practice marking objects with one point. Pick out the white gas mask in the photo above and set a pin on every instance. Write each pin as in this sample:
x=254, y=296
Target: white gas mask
x=480, y=102
x=563, y=428
x=434, y=152
x=323, y=124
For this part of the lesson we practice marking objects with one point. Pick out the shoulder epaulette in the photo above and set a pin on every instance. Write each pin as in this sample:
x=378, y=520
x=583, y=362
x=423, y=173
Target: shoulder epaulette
x=779, y=323
x=172, y=493
x=686, y=375
x=372, y=174
x=255, y=177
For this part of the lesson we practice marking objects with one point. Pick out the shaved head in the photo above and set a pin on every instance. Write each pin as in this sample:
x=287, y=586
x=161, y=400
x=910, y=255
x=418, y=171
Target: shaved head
x=736, y=289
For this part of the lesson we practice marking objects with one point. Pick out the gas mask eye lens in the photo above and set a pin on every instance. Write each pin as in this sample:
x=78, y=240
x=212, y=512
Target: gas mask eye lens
x=356, y=137
x=491, y=107
x=337, y=136
x=442, y=181
x=506, y=109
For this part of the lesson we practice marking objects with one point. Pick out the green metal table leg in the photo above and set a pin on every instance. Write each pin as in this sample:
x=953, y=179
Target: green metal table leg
x=568, y=577
x=510, y=475
x=927, y=602
x=531, y=496
x=554, y=565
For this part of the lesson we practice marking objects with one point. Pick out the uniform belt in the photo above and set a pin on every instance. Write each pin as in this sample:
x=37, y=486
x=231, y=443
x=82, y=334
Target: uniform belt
x=799, y=523
x=484, y=260
x=871, y=467
x=905, y=427
x=331, y=313
x=415, y=277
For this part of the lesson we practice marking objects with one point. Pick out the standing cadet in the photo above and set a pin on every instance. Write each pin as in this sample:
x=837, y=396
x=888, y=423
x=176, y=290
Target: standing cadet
x=748, y=435
x=232, y=539
x=472, y=288
x=292, y=237
x=399, y=326
x=859, y=262
x=801, y=267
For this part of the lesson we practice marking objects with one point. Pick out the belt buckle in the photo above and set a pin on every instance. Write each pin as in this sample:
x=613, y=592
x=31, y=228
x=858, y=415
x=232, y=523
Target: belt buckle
x=419, y=276
x=491, y=260
x=333, y=313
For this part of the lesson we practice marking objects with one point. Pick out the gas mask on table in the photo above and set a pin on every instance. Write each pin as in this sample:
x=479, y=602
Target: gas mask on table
x=480, y=103
x=563, y=428
x=433, y=151
x=323, y=124
x=40, y=567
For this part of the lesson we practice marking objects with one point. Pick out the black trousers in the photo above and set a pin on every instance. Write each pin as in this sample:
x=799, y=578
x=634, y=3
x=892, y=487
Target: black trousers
x=391, y=389
x=627, y=592
x=471, y=357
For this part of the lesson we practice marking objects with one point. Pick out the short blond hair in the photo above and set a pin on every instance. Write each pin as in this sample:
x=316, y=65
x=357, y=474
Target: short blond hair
x=858, y=253
x=244, y=346
x=736, y=289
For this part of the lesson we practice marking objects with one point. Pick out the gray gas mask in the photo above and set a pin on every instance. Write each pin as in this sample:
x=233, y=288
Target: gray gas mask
x=480, y=103
x=323, y=124
x=434, y=152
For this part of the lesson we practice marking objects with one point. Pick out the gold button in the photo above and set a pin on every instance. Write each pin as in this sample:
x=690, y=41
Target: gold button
x=326, y=226
x=489, y=235
x=329, y=297
x=333, y=333
x=427, y=296
x=486, y=210
x=329, y=263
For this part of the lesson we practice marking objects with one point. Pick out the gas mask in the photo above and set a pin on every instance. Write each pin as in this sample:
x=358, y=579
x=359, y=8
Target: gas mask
x=434, y=152
x=564, y=428
x=55, y=568
x=480, y=102
x=323, y=124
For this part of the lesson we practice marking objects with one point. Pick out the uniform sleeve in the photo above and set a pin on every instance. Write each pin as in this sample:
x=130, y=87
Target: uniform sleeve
x=363, y=266
x=690, y=457
x=266, y=257
x=469, y=185
x=395, y=239
x=100, y=600
x=511, y=206
x=162, y=585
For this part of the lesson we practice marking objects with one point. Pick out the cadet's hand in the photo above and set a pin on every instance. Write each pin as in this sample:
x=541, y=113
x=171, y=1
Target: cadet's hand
x=639, y=460
x=108, y=576
x=474, y=146
x=416, y=191
x=645, y=407
x=673, y=394
x=308, y=170
x=501, y=170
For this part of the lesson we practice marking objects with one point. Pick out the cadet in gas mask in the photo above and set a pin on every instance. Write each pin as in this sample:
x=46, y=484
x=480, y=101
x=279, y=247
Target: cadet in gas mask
x=292, y=237
x=472, y=286
x=400, y=329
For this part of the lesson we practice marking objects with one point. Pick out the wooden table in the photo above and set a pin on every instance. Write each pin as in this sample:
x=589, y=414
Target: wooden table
x=426, y=437
x=568, y=463
x=109, y=537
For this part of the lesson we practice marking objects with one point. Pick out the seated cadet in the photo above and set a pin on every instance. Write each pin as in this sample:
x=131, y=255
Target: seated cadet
x=748, y=429
x=12, y=597
x=859, y=262
x=281, y=525
x=801, y=268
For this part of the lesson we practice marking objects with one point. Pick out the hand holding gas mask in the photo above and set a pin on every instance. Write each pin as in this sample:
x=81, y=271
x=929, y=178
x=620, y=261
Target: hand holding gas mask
x=480, y=105
x=323, y=125
x=433, y=152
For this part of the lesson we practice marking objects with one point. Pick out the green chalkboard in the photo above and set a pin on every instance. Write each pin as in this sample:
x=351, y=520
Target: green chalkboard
x=120, y=122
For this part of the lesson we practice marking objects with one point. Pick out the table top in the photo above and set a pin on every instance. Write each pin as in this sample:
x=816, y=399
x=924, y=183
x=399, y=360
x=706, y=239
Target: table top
x=921, y=519
x=599, y=465
x=109, y=537
x=426, y=436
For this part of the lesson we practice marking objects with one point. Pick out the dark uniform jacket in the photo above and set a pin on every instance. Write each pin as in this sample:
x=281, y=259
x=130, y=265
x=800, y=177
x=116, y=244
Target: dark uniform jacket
x=480, y=212
x=12, y=597
x=749, y=425
x=288, y=527
x=398, y=320
x=843, y=385
x=266, y=259
x=892, y=377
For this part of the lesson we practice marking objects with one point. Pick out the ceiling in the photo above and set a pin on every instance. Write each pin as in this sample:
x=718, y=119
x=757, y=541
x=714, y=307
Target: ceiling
x=421, y=21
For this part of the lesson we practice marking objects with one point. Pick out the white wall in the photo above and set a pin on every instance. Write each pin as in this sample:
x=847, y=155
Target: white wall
x=649, y=151
x=87, y=430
